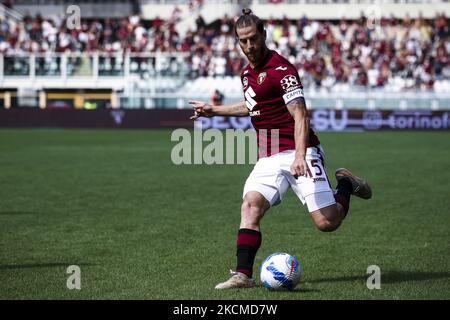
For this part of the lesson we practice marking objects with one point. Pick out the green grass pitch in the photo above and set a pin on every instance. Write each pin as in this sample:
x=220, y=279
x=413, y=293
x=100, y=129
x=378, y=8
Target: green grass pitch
x=140, y=227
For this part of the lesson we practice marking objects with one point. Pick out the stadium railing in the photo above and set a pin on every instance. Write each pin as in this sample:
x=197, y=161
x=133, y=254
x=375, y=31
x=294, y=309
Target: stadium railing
x=206, y=2
x=364, y=100
x=41, y=68
x=163, y=80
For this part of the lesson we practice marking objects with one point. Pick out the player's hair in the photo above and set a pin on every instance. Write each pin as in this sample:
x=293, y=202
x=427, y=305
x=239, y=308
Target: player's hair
x=247, y=19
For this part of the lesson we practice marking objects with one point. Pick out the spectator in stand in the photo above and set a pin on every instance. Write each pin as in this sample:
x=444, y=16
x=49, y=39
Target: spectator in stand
x=325, y=53
x=200, y=23
x=217, y=98
x=7, y=4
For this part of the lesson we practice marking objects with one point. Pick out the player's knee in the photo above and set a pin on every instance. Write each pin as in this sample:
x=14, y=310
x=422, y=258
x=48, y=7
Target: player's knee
x=250, y=209
x=327, y=225
x=253, y=207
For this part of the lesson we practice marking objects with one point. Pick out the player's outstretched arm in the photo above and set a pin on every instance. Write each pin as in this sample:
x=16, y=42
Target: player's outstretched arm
x=203, y=109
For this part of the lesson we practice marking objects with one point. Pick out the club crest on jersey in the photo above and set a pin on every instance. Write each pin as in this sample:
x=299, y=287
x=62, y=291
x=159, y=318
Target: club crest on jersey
x=289, y=83
x=262, y=77
x=245, y=82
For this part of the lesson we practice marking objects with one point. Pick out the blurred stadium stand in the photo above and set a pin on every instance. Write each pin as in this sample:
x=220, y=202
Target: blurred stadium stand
x=386, y=54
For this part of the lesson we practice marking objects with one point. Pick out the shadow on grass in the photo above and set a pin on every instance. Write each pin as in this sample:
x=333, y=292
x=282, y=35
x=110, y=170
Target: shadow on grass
x=394, y=276
x=41, y=265
x=299, y=289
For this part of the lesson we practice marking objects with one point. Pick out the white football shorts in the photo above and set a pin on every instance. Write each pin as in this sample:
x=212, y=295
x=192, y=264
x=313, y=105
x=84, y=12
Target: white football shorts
x=271, y=177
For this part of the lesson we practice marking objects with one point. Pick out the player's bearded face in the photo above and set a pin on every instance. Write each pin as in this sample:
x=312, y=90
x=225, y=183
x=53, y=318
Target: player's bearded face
x=252, y=43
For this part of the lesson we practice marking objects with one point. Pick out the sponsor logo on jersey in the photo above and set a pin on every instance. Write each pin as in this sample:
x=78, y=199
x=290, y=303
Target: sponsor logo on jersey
x=262, y=77
x=255, y=113
x=289, y=83
x=319, y=179
x=245, y=82
x=245, y=72
x=281, y=68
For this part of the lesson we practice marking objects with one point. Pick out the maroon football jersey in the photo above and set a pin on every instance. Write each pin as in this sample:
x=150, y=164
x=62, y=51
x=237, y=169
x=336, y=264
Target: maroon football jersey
x=267, y=90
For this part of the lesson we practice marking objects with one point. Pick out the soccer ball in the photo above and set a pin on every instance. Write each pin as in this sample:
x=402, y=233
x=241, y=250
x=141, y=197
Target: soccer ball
x=280, y=271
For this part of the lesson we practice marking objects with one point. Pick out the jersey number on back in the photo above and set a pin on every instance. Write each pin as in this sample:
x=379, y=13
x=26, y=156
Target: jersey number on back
x=249, y=101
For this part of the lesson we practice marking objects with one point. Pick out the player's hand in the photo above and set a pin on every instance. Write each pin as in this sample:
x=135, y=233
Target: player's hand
x=201, y=109
x=300, y=168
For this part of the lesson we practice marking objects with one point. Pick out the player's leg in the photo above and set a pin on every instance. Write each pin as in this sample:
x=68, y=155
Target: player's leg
x=328, y=209
x=329, y=217
x=248, y=241
x=264, y=188
x=254, y=206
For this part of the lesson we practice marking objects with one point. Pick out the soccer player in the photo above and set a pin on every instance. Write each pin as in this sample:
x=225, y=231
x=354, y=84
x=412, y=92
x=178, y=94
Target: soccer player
x=274, y=100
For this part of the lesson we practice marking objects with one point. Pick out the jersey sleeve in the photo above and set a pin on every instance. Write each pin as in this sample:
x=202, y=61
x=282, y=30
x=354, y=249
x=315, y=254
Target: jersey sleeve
x=288, y=82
